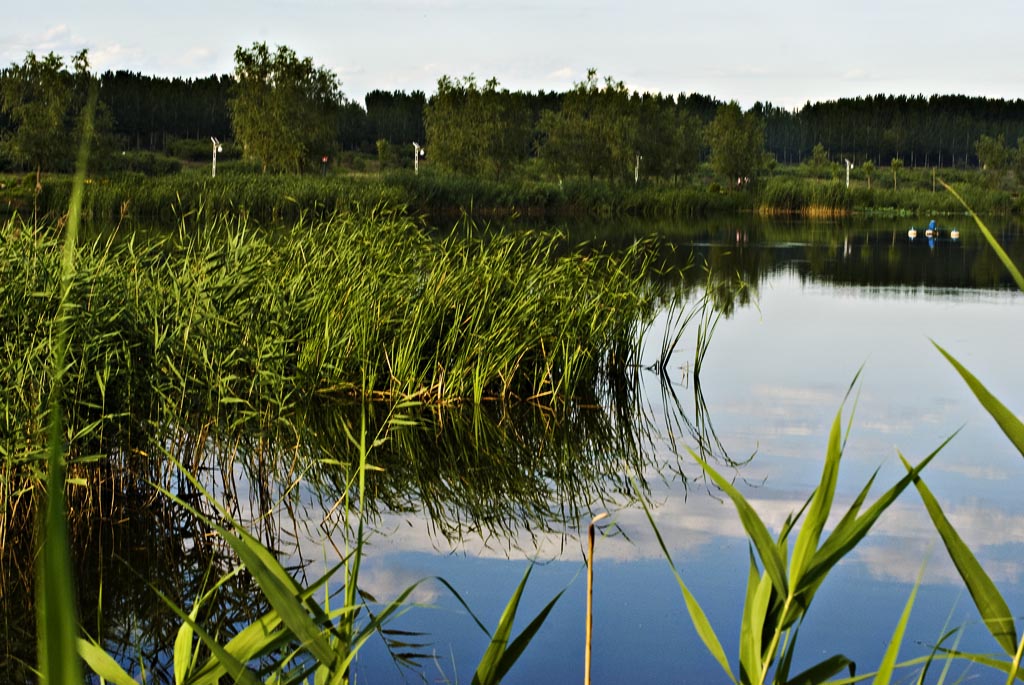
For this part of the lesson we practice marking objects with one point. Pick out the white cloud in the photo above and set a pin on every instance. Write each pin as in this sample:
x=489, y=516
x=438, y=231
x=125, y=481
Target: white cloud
x=55, y=34
x=562, y=73
x=110, y=57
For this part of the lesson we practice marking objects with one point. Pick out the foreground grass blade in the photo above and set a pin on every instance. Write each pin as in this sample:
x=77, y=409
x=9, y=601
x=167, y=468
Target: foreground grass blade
x=279, y=589
x=852, y=529
x=822, y=671
x=767, y=550
x=1010, y=424
x=996, y=247
x=697, y=616
x=990, y=603
x=888, y=665
x=500, y=655
x=56, y=613
x=103, y=664
x=236, y=669
x=821, y=504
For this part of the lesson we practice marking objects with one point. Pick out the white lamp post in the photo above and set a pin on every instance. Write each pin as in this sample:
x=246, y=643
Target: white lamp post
x=217, y=147
x=416, y=157
x=849, y=165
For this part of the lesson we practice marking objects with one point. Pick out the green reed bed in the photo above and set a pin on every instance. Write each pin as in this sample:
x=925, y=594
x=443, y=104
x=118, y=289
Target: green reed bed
x=277, y=197
x=285, y=197
x=812, y=197
x=222, y=316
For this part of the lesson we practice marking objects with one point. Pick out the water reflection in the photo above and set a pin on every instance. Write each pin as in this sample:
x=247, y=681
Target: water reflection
x=853, y=252
x=509, y=475
x=515, y=480
x=128, y=548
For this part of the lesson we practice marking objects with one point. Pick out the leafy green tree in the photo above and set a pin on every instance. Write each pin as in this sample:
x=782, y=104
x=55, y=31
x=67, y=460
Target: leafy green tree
x=992, y=153
x=44, y=101
x=1018, y=160
x=896, y=164
x=594, y=133
x=667, y=137
x=737, y=142
x=283, y=109
x=396, y=116
x=474, y=130
x=869, y=168
x=819, y=160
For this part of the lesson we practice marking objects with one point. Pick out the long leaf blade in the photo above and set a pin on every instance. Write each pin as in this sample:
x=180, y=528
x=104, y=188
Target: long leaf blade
x=697, y=616
x=821, y=505
x=888, y=665
x=487, y=670
x=1010, y=424
x=996, y=247
x=771, y=557
x=103, y=664
x=990, y=603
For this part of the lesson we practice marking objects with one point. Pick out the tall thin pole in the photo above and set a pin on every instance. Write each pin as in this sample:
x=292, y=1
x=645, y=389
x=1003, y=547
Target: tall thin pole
x=590, y=596
x=216, y=147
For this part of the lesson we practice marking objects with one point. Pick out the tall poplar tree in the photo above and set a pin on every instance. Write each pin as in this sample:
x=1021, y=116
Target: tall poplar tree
x=44, y=102
x=595, y=132
x=737, y=142
x=284, y=110
x=474, y=130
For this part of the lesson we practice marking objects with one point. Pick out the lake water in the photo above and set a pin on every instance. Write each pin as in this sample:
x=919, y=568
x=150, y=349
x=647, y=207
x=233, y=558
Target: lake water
x=772, y=381
x=475, y=498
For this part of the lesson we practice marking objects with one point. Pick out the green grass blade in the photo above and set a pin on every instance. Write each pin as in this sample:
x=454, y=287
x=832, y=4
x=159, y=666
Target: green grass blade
x=258, y=638
x=522, y=641
x=996, y=247
x=183, y=647
x=464, y=604
x=697, y=616
x=821, y=505
x=1015, y=664
x=751, y=626
x=988, y=660
x=758, y=611
x=56, y=614
x=487, y=670
x=103, y=664
x=822, y=671
x=990, y=603
x=844, y=538
x=1010, y=424
x=235, y=668
x=280, y=595
x=888, y=665
x=278, y=587
x=771, y=557
x=261, y=637
x=394, y=608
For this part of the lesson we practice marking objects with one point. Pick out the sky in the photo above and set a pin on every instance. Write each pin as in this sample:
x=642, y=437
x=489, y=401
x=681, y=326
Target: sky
x=786, y=52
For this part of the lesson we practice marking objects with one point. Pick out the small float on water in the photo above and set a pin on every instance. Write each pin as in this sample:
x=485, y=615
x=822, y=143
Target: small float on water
x=932, y=232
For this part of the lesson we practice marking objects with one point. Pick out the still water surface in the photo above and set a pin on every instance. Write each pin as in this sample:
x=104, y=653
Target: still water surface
x=772, y=381
x=475, y=498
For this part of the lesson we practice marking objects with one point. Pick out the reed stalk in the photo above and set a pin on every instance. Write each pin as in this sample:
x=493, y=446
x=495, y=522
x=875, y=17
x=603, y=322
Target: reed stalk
x=590, y=596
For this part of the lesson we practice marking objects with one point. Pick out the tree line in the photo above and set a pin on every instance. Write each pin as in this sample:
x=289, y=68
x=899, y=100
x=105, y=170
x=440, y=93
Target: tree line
x=285, y=113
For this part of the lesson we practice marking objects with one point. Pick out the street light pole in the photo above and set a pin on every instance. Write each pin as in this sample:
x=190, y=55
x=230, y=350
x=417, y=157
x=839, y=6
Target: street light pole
x=416, y=157
x=217, y=147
